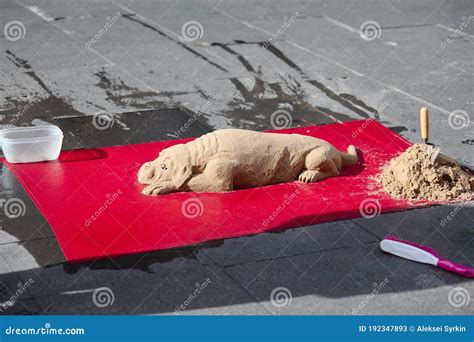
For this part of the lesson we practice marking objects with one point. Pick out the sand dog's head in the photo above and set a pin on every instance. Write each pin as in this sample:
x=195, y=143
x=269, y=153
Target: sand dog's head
x=172, y=165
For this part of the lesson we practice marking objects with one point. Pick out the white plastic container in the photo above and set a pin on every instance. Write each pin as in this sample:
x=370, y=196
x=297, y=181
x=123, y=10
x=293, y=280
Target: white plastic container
x=31, y=144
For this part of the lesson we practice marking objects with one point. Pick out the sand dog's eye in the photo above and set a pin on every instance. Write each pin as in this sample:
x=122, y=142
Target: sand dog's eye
x=163, y=167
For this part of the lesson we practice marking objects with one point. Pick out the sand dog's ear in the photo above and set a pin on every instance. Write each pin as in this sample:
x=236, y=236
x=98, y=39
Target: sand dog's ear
x=181, y=169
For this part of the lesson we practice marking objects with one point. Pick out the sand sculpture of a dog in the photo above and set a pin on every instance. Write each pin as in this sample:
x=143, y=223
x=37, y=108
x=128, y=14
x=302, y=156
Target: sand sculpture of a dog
x=231, y=159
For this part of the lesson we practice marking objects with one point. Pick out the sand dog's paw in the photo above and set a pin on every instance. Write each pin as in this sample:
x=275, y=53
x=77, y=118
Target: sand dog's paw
x=308, y=176
x=155, y=189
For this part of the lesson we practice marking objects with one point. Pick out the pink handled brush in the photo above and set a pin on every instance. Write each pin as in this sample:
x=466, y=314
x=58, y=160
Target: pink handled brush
x=426, y=255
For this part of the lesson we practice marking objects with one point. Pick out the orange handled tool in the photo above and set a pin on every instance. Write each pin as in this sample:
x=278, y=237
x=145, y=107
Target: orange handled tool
x=424, y=124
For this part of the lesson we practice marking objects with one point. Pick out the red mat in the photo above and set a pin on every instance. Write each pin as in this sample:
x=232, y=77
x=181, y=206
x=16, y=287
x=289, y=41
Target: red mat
x=92, y=200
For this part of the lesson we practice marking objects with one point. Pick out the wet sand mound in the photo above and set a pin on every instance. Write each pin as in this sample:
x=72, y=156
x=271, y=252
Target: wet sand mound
x=415, y=175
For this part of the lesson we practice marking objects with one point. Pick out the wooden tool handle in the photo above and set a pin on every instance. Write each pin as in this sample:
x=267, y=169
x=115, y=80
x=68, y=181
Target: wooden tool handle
x=424, y=124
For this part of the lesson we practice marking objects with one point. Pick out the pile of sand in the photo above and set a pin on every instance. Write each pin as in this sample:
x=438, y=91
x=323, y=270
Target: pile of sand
x=414, y=175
